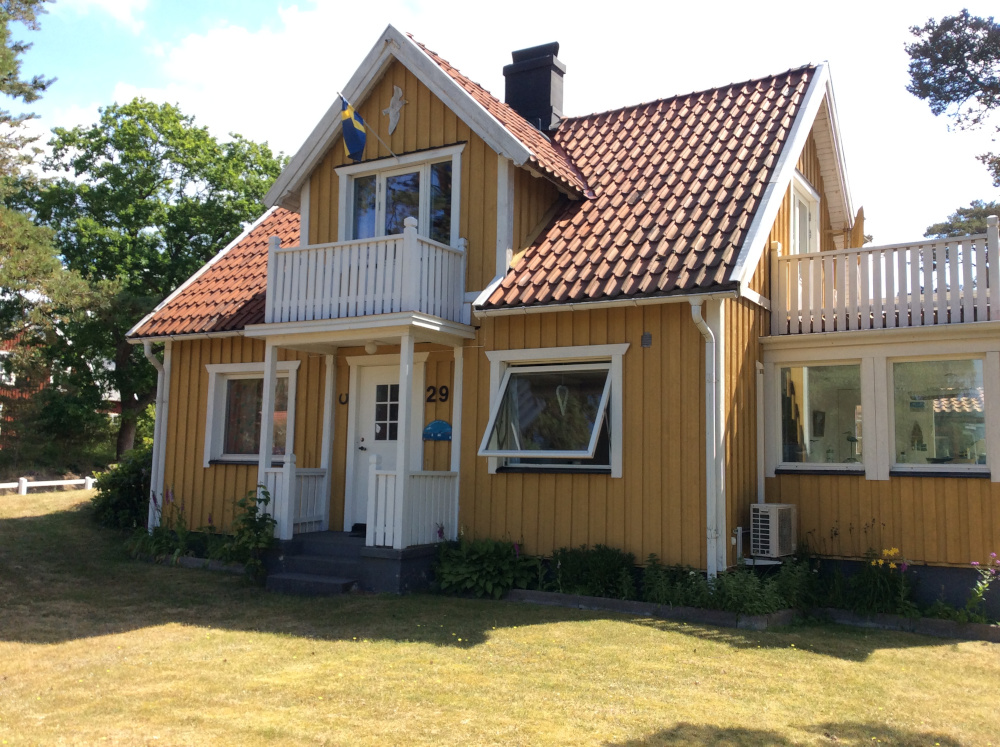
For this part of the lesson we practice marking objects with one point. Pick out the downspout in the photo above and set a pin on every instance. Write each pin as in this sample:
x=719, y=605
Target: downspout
x=159, y=428
x=712, y=534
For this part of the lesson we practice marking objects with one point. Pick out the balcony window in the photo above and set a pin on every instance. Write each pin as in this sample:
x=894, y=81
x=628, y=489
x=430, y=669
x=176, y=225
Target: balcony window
x=804, y=233
x=375, y=202
x=821, y=414
x=939, y=413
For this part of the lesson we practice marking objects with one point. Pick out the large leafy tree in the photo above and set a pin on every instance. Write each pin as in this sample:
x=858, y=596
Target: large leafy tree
x=145, y=198
x=965, y=220
x=955, y=68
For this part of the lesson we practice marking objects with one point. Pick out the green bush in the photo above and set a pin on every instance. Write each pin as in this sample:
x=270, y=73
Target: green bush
x=674, y=585
x=122, y=498
x=881, y=585
x=744, y=592
x=484, y=568
x=598, y=571
x=797, y=584
x=253, y=533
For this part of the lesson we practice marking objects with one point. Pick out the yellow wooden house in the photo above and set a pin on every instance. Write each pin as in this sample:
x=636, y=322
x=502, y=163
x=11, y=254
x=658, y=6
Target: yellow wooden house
x=626, y=328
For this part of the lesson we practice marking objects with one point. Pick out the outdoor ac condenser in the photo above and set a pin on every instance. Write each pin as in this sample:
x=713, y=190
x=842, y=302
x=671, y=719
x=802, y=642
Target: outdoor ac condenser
x=773, y=529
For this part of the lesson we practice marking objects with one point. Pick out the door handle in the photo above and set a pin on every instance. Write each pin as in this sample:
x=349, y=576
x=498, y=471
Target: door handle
x=362, y=448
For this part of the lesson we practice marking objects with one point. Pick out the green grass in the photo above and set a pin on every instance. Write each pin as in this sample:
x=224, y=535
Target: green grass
x=98, y=649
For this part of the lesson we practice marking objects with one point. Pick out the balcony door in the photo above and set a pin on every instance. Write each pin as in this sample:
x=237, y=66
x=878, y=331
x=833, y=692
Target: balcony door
x=380, y=202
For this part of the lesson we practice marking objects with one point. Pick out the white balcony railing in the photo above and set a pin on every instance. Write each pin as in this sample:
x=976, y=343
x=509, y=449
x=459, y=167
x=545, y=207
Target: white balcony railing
x=428, y=513
x=299, y=500
x=929, y=282
x=405, y=272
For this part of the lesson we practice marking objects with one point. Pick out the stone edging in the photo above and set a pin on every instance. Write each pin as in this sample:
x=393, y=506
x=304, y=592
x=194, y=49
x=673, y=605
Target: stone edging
x=186, y=561
x=922, y=625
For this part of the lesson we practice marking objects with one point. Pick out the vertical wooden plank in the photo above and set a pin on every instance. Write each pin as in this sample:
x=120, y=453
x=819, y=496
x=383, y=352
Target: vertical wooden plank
x=927, y=282
x=914, y=259
x=954, y=283
x=619, y=487
x=878, y=291
x=653, y=445
x=968, y=288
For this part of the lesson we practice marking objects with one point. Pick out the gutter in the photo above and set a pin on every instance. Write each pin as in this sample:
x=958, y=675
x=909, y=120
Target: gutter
x=159, y=428
x=597, y=305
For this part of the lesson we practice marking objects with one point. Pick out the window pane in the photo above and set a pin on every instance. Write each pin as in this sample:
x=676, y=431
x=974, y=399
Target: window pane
x=549, y=411
x=243, y=414
x=402, y=200
x=364, y=207
x=821, y=414
x=441, y=202
x=940, y=414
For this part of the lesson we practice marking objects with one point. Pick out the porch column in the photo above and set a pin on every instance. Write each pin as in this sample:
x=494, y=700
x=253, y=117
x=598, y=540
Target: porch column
x=267, y=421
x=326, y=453
x=451, y=531
x=401, y=515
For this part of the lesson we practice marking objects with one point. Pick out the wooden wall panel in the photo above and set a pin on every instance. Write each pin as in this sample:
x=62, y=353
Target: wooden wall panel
x=935, y=520
x=658, y=506
x=209, y=493
x=425, y=122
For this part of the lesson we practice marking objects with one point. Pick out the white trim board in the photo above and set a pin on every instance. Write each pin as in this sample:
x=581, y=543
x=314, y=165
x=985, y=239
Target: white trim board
x=392, y=45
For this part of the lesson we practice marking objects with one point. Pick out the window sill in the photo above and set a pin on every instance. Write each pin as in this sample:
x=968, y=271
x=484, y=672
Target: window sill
x=554, y=469
x=820, y=469
x=938, y=472
x=254, y=461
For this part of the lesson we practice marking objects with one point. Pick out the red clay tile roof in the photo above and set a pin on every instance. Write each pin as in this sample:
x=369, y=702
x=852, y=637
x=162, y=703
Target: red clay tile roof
x=677, y=184
x=546, y=156
x=229, y=294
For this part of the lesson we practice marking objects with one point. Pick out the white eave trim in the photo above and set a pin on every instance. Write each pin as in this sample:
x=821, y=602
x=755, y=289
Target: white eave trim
x=190, y=280
x=819, y=90
x=393, y=44
x=597, y=305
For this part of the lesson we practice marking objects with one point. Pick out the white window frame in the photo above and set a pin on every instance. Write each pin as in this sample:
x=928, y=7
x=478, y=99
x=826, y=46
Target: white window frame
x=803, y=192
x=867, y=405
x=404, y=164
x=898, y=467
x=609, y=356
x=219, y=374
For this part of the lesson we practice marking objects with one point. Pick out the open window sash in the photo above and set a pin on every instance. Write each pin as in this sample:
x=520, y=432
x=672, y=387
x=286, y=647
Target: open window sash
x=549, y=412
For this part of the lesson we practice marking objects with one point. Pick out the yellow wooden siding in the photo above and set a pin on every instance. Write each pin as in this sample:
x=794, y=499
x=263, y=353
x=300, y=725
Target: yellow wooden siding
x=809, y=167
x=212, y=491
x=424, y=122
x=658, y=506
x=533, y=199
x=936, y=520
x=745, y=324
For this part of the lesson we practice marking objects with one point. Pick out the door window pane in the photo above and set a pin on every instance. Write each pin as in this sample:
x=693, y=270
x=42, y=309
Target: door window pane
x=386, y=412
x=402, y=200
x=821, y=414
x=940, y=414
x=364, y=207
x=441, y=202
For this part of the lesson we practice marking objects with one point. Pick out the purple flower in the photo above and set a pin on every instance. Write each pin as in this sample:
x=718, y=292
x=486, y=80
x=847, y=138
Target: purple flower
x=155, y=504
x=974, y=562
x=169, y=497
x=517, y=550
x=210, y=522
x=903, y=567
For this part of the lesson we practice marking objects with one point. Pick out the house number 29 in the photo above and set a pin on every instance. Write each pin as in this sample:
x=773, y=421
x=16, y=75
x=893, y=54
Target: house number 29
x=437, y=394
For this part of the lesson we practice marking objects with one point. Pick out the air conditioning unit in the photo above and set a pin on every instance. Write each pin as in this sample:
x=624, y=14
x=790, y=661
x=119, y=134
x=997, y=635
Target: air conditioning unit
x=773, y=529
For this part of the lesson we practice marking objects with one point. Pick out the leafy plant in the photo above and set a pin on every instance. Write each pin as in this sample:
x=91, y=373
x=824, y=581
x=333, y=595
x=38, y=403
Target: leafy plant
x=881, y=585
x=483, y=567
x=598, y=571
x=253, y=532
x=744, y=592
x=122, y=498
x=675, y=585
x=797, y=584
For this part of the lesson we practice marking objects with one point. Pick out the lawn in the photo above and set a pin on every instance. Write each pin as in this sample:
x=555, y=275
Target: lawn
x=98, y=649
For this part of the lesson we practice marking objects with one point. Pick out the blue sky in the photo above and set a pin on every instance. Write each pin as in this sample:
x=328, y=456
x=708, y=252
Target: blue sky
x=269, y=70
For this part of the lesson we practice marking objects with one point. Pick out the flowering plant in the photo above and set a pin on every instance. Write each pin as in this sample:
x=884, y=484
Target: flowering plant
x=989, y=572
x=882, y=584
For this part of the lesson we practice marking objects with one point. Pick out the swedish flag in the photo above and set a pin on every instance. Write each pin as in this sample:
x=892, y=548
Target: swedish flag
x=354, y=131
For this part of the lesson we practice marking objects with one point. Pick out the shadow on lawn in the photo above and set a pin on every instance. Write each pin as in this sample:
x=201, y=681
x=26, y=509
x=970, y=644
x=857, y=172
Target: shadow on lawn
x=840, y=733
x=67, y=579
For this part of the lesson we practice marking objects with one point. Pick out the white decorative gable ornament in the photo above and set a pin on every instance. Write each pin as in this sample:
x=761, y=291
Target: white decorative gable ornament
x=395, y=105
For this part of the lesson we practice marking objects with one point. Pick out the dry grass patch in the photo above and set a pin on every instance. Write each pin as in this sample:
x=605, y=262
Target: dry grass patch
x=95, y=648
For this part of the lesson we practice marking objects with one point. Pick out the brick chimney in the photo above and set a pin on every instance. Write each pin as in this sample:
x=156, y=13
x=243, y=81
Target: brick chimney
x=534, y=85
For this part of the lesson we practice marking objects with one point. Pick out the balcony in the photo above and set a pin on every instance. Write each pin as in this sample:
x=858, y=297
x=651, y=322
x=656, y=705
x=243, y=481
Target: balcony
x=384, y=275
x=919, y=284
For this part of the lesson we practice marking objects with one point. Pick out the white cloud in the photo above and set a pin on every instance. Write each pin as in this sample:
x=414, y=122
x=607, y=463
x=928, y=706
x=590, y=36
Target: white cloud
x=908, y=171
x=123, y=11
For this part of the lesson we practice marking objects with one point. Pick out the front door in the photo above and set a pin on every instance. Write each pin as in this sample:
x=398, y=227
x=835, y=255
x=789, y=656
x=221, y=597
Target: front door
x=376, y=431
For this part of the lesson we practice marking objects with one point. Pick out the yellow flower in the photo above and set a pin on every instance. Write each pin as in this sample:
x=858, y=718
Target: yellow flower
x=873, y=562
x=892, y=565
x=881, y=562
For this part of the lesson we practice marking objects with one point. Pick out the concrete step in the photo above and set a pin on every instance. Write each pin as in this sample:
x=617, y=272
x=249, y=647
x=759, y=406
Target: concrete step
x=320, y=565
x=330, y=544
x=308, y=585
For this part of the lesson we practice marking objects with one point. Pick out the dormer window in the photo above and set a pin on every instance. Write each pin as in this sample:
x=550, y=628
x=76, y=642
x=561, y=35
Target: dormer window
x=805, y=217
x=375, y=201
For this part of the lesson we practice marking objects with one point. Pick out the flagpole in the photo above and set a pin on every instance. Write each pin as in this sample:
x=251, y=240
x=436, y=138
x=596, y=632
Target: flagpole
x=374, y=130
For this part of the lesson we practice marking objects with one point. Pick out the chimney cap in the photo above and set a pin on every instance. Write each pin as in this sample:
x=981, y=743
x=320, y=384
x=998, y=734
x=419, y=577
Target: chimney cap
x=533, y=53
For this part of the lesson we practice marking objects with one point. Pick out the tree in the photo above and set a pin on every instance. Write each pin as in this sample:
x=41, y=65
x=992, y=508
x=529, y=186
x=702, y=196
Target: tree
x=955, y=67
x=965, y=220
x=152, y=197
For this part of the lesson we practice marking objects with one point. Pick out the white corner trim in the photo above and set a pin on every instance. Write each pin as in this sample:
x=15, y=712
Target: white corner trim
x=754, y=297
x=505, y=215
x=760, y=227
x=201, y=271
x=214, y=412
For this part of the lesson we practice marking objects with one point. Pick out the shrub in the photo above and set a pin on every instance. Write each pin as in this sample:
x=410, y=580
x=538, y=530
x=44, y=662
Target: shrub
x=797, y=584
x=253, y=533
x=122, y=498
x=483, y=567
x=881, y=585
x=598, y=571
x=674, y=585
x=744, y=592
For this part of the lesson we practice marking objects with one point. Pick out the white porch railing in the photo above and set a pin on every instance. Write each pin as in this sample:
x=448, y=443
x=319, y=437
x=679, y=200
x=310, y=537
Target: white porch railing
x=304, y=508
x=430, y=502
x=405, y=272
x=929, y=282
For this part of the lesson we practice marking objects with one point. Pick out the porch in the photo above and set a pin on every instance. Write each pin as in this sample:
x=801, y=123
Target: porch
x=918, y=284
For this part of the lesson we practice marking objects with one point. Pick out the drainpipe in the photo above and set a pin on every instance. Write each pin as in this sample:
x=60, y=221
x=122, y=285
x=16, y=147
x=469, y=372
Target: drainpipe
x=711, y=456
x=159, y=427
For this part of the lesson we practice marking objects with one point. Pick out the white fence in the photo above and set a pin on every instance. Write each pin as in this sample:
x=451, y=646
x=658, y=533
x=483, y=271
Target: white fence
x=405, y=272
x=304, y=508
x=929, y=282
x=430, y=503
x=23, y=484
